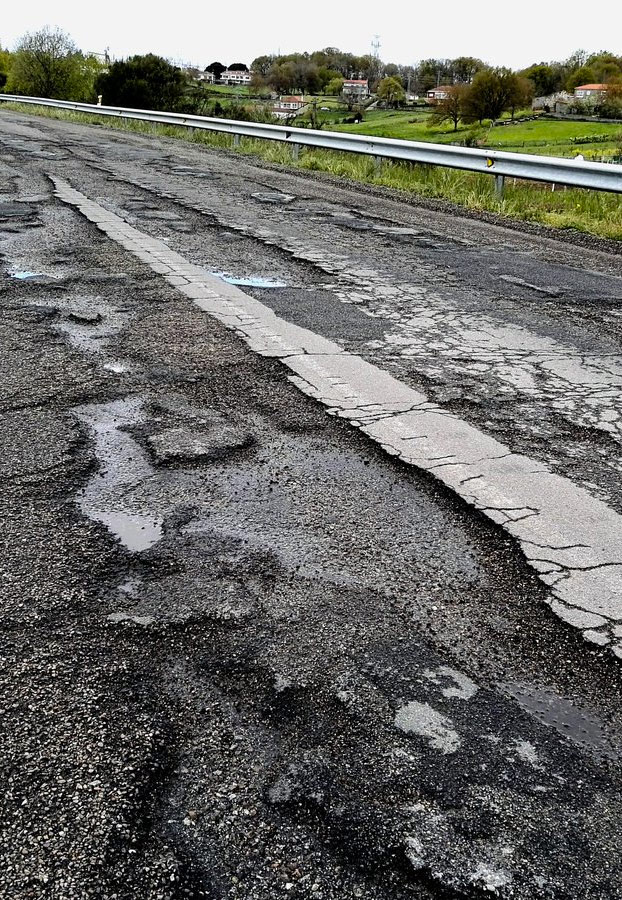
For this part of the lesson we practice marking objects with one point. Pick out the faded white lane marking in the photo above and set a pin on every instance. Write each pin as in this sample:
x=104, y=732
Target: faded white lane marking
x=572, y=539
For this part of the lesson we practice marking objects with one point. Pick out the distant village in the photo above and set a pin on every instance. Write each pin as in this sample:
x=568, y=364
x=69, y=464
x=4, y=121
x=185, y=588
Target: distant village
x=583, y=98
x=283, y=106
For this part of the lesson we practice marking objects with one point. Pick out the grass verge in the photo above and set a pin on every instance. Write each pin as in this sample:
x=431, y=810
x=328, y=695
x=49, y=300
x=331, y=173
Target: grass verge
x=588, y=211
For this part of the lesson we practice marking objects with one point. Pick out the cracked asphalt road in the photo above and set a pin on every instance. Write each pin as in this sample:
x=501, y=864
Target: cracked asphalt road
x=246, y=651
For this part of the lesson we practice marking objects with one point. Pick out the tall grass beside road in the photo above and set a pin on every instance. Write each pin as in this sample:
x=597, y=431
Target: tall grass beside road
x=588, y=211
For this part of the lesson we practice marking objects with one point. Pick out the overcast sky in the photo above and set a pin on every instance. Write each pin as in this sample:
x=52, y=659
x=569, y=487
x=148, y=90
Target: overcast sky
x=514, y=34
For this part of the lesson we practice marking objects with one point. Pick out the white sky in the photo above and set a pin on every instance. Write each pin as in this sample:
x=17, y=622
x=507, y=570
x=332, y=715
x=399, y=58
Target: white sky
x=514, y=34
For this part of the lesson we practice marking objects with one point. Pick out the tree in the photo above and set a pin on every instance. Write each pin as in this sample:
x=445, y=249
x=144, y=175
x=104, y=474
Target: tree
x=392, y=71
x=5, y=66
x=143, y=82
x=491, y=94
x=544, y=78
x=611, y=104
x=391, y=91
x=259, y=85
x=465, y=68
x=47, y=63
x=261, y=65
x=282, y=77
x=335, y=86
x=520, y=93
x=216, y=69
x=606, y=66
x=327, y=75
x=451, y=107
x=582, y=75
x=432, y=72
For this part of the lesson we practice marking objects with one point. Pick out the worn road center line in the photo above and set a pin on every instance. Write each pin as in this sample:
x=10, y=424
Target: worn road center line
x=572, y=539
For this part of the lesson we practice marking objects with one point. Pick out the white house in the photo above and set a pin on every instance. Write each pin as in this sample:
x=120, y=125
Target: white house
x=356, y=87
x=235, y=76
x=435, y=95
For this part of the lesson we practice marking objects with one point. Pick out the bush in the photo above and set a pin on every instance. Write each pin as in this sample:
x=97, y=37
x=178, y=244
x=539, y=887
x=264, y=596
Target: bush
x=143, y=82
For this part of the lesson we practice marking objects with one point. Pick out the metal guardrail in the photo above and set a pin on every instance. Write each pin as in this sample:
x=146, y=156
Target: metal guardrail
x=552, y=169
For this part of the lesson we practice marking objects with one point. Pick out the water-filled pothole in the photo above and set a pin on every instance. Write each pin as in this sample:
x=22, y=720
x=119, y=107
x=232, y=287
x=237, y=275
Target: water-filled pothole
x=108, y=497
x=24, y=275
x=561, y=714
x=250, y=280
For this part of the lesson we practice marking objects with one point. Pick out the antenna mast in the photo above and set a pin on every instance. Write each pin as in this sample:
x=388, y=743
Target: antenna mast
x=375, y=52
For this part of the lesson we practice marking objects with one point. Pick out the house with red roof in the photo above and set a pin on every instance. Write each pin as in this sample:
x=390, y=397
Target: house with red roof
x=285, y=107
x=590, y=90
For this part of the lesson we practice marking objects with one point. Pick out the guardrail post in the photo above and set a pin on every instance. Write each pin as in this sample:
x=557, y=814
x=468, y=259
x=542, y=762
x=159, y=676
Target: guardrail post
x=378, y=160
x=236, y=140
x=499, y=186
x=295, y=151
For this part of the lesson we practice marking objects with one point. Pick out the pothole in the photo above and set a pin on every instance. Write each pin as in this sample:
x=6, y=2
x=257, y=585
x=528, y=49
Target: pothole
x=107, y=498
x=24, y=275
x=257, y=281
x=16, y=210
x=561, y=714
x=273, y=197
x=195, y=173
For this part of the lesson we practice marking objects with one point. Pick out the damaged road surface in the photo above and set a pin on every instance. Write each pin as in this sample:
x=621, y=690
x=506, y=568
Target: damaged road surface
x=253, y=650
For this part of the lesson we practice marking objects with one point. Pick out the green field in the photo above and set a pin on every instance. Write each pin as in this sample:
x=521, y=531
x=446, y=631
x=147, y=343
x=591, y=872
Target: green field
x=552, y=137
x=228, y=90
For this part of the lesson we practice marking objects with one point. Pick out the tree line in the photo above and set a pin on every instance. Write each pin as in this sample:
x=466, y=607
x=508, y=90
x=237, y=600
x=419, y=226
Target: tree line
x=312, y=72
x=47, y=63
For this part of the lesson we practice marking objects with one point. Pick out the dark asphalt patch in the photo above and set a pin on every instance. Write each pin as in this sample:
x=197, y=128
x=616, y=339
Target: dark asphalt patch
x=321, y=312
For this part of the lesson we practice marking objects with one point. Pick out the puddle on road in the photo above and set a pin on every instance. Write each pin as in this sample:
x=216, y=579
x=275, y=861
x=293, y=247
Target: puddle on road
x=117, y=367
x=107, y=498
x=249, y=281
x=135, y=531
x=31, y=276
x=562, y=715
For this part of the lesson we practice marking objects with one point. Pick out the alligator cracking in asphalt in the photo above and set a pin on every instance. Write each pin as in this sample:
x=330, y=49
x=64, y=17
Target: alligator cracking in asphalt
x=584, y=544
x=244, y=724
